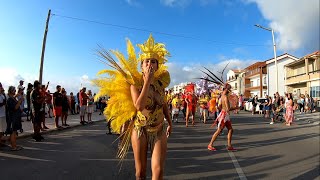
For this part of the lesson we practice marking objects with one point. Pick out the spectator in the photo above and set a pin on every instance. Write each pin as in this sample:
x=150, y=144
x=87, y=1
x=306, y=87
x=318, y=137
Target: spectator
x=3, y=123
x=29, y=90
x=14, y=117
x=49, y=103
x=83, y=98
x=43, y=92
x=57, y=106
x=78, y=102
x=37, y=101
x=254, y=104
x=72, y=104
x=90, y=105
x=19, y=96
x=65, y=107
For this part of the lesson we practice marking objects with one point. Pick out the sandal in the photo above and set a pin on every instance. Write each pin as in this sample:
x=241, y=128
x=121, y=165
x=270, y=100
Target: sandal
x=231, y=149
x=18, y=148
x=210, y=148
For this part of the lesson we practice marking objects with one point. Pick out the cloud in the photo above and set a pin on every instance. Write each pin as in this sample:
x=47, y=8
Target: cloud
x=176, y=3
x=133, y=3
x=11, y=77
x=181, y=73
x=295, y=22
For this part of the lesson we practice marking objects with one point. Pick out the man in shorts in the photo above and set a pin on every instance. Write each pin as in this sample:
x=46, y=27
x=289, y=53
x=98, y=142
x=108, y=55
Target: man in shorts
x=83, y=99
x=57, y=106
x=224, y=119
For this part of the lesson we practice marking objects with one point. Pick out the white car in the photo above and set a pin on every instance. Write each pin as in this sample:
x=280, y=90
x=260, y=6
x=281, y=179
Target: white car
x=248, y=104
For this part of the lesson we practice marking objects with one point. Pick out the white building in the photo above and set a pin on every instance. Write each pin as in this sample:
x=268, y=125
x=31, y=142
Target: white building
x=179, y=88
x=236, y=79
x=282, y=60
x=255, y=80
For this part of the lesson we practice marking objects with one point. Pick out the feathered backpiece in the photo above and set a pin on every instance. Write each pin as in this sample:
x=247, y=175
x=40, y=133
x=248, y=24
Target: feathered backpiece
x=116, y=85
x=120, y=108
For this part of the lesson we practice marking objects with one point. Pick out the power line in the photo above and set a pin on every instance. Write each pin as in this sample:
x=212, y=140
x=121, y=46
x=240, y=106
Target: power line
x=154, y=32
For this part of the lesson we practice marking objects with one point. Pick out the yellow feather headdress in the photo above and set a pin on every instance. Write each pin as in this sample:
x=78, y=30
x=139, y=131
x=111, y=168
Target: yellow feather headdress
x=150, y=49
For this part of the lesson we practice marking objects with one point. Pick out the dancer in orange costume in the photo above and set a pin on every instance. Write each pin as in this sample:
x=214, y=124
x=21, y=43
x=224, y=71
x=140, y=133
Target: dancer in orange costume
x=191, y=100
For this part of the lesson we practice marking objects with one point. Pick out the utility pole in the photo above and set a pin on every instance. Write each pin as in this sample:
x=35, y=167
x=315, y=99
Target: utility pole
x=44, y=46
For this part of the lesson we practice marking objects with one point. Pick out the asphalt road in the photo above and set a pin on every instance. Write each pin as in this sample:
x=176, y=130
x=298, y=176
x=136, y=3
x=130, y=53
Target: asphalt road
x=86, y=152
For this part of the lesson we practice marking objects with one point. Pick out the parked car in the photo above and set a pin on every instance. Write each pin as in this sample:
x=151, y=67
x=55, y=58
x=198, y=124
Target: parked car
x=248, y=104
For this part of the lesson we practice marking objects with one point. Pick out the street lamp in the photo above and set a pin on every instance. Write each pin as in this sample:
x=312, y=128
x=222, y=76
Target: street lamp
x=274, y=51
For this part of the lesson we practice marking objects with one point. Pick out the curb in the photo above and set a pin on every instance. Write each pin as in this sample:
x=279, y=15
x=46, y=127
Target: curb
x=29, y=134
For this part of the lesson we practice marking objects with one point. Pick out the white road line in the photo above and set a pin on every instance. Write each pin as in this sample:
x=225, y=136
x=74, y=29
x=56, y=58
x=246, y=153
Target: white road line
x=240, y=172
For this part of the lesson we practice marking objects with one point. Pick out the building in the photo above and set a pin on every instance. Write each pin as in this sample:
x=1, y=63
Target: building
x=303, y=76
x=236, y=79
x=179, y=88
x=255, y=80
x=282, y=60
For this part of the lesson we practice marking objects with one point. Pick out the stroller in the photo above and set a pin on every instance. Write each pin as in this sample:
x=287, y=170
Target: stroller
x=279, y=114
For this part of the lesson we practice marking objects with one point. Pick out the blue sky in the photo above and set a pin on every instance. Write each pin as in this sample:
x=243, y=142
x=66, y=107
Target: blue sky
x=204, y=33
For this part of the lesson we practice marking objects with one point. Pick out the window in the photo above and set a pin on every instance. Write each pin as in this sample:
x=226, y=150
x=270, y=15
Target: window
x=265, y=80
x=235, y=85
x=315, y=91
x=251, y=83
x=258, y=82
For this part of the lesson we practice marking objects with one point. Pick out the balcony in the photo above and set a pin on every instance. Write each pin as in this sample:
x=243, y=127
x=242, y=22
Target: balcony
x=249, y=87
x=301, y=78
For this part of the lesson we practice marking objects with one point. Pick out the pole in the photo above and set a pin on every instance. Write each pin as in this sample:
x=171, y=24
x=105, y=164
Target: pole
x=44, y=46
x=275, y=59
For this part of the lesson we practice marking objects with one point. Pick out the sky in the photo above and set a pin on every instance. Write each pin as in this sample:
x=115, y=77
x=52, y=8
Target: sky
x=197, y=33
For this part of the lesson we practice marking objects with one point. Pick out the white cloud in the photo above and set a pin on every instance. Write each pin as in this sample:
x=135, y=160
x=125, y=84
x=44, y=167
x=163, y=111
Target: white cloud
x=176, y=3
x=133, y=3
x=190, y=72
x=295, y=22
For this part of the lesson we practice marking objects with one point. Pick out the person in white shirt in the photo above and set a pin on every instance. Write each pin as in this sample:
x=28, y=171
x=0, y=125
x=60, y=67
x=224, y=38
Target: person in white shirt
x=3, y=123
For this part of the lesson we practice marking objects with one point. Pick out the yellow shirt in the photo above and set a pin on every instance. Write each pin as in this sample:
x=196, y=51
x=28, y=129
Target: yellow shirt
x=176, y=102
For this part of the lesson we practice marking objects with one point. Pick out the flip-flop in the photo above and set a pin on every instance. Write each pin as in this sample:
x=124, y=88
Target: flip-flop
x=18, y=148
x=210, y=148
x=231, y=149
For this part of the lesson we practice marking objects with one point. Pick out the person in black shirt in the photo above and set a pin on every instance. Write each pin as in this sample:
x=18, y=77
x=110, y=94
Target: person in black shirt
x=37, y=110
x=57, y=106
x=65, y=107
x=29, y=90
x=14, y=117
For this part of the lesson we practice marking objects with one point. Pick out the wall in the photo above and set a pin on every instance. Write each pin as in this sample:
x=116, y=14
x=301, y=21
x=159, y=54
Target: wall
x=271, y=70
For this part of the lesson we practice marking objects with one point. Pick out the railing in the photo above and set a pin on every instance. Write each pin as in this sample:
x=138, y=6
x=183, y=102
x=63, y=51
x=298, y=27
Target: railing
x=301, y=74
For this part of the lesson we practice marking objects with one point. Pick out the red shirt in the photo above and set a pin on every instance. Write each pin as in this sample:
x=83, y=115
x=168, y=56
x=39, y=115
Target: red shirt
x=83, y=98
x=48, y=98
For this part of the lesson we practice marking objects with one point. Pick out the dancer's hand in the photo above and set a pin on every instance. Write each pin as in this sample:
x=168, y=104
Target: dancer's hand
x=148, y=75
x=168, y=131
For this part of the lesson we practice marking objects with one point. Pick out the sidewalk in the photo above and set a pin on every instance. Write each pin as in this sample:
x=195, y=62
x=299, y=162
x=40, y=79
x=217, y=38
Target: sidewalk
x=309, y=117
x=73, y=120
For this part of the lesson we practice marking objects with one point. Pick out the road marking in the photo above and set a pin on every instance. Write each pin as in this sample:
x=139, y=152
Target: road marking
x=240, y=172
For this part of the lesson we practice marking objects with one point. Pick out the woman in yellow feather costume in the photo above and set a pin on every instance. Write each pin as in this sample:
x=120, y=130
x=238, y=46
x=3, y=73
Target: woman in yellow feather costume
x=137, y=101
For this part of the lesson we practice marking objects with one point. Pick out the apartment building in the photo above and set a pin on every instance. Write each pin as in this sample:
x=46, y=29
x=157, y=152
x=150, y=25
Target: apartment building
x=255, y=80
x=236, y=79
x=303, y=76
x=282, y=60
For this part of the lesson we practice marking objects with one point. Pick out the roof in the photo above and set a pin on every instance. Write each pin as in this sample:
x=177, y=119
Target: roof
x=259, y=64
x=280, y=57
x=236, y=70
x=312, y=55
x=316, y=53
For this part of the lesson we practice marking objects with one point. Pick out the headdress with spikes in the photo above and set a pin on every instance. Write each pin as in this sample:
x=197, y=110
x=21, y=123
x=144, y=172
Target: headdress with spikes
x=150, y=49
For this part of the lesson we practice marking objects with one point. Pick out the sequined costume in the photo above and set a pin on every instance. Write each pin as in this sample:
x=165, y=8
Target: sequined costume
x=120, y=109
